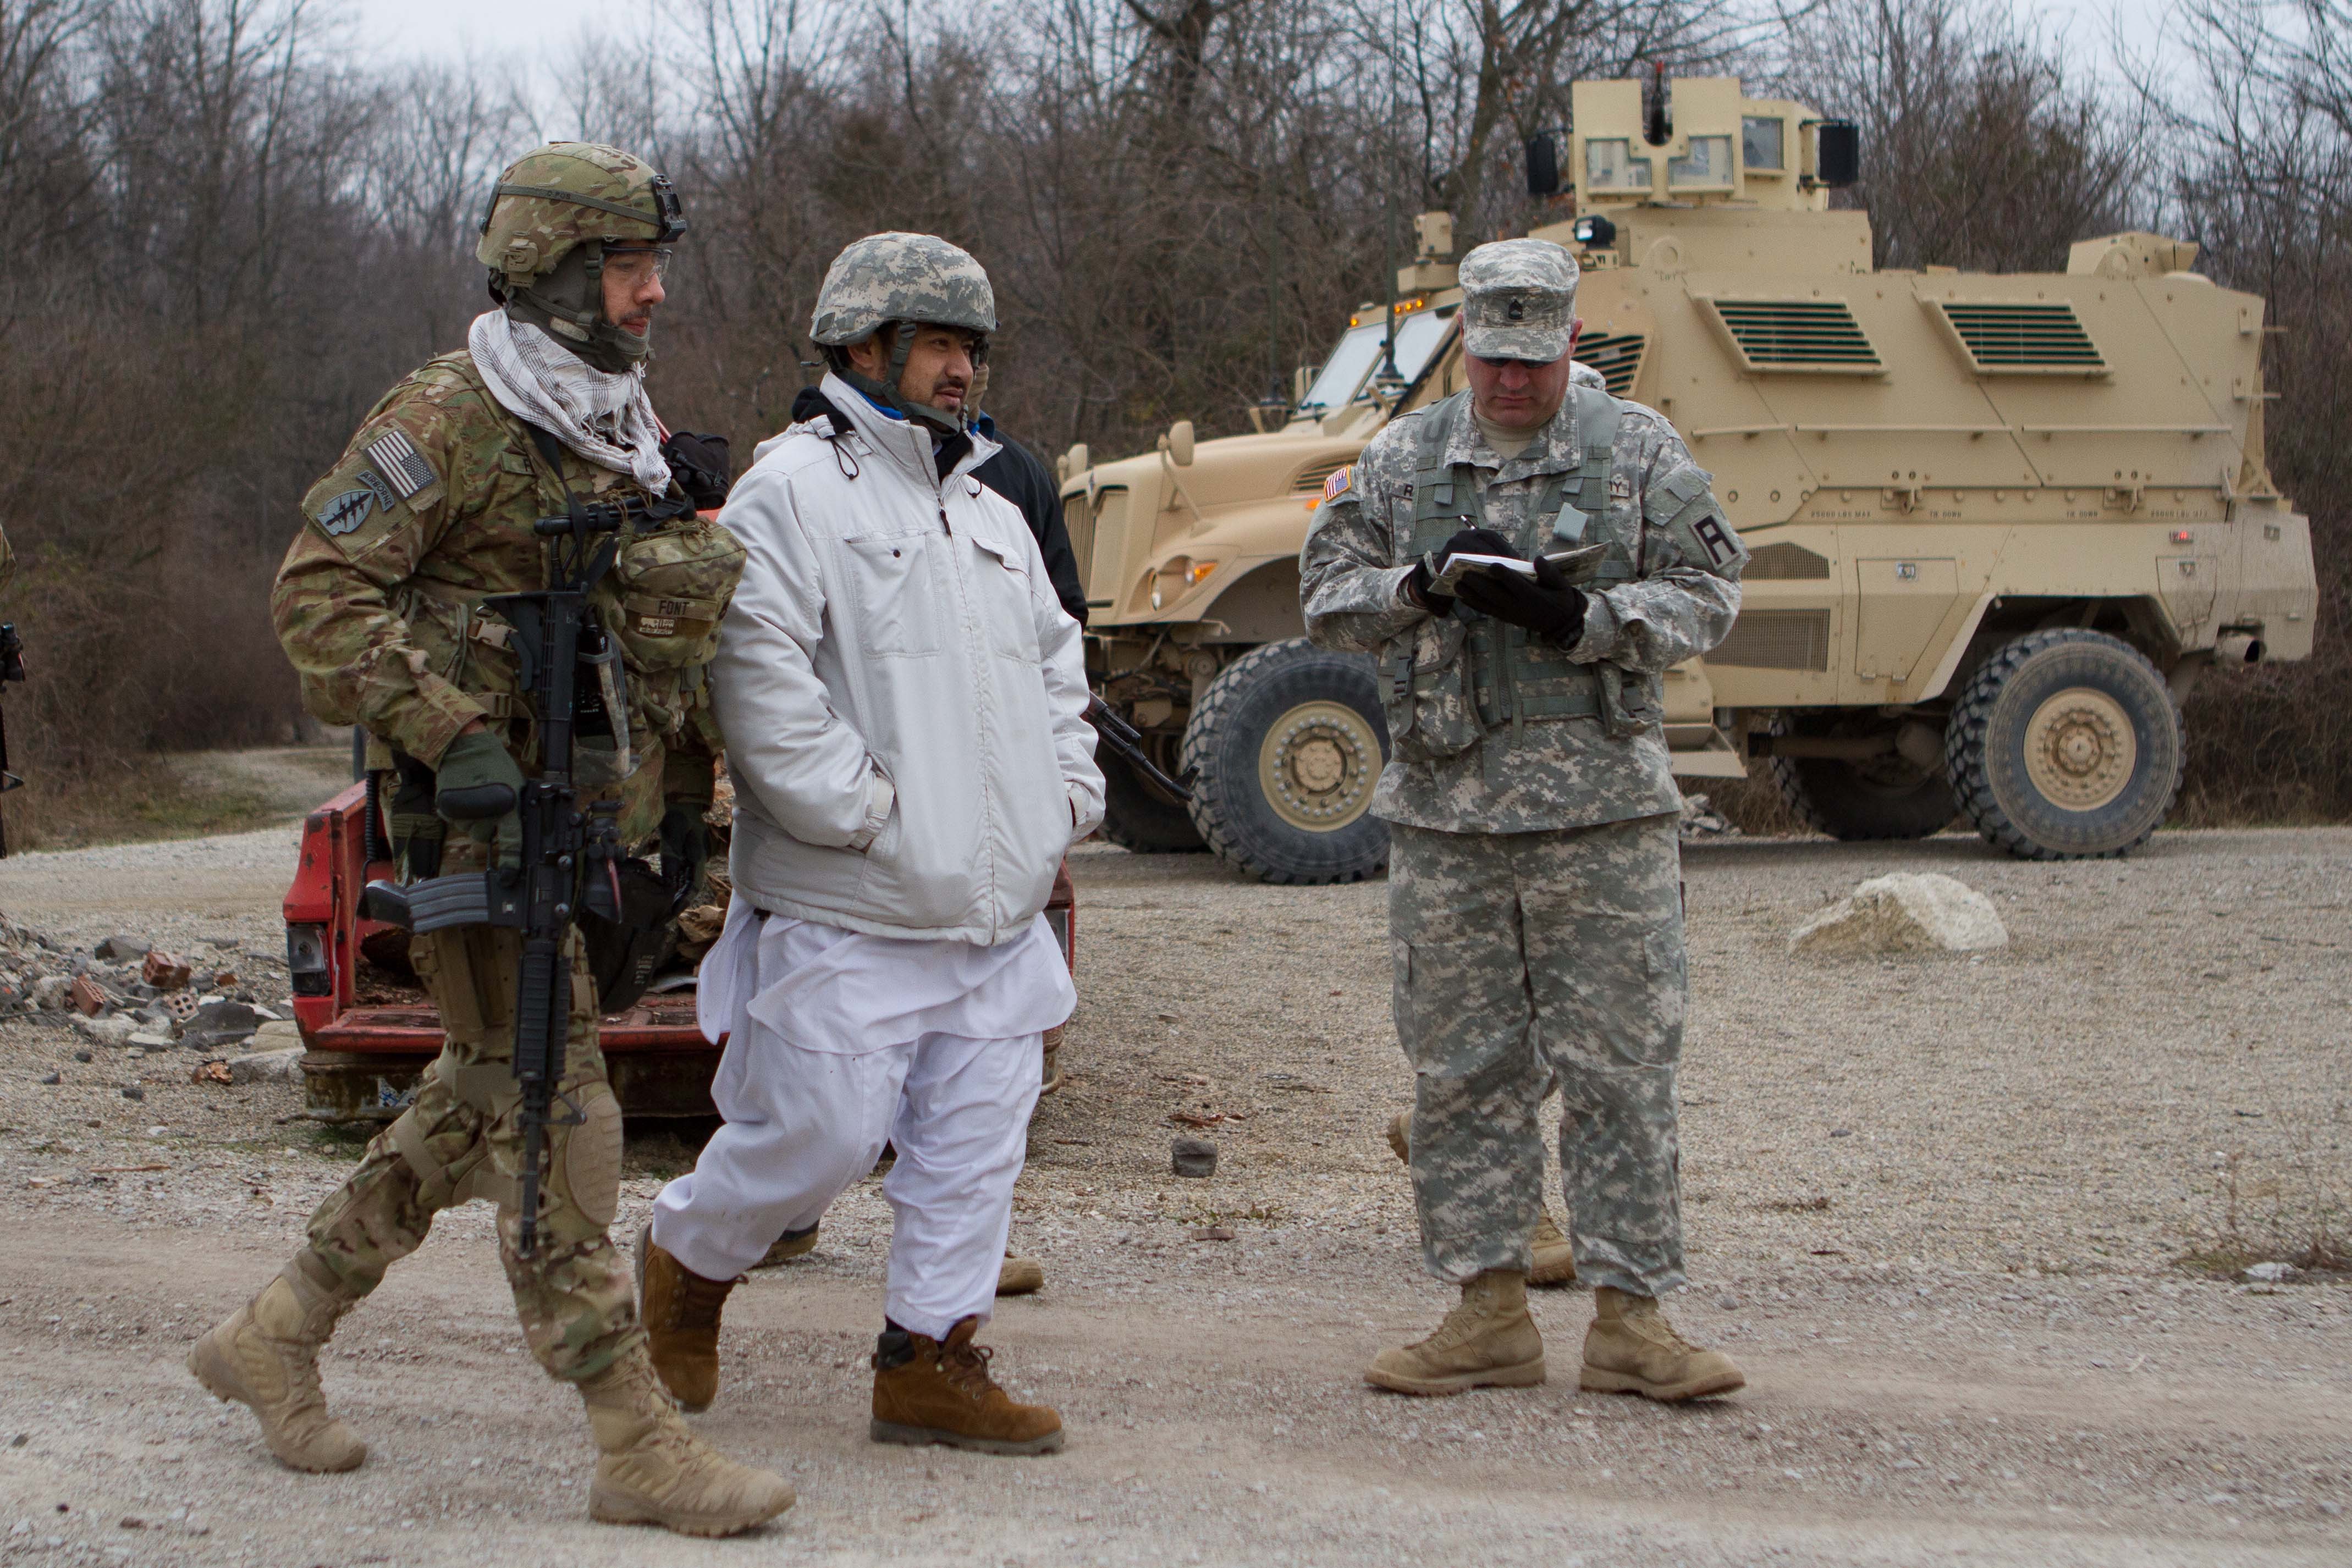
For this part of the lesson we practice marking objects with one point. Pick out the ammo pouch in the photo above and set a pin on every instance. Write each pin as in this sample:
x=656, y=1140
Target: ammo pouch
x=1426, y=693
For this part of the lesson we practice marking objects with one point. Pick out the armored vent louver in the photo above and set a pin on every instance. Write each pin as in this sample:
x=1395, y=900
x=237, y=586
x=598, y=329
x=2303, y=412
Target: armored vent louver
x=1308, y=481
x=1617, y=358
x=2021, y=338
x=1796, y=335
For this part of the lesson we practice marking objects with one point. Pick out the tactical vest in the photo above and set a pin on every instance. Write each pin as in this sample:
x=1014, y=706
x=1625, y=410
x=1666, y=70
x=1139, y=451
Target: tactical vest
x=1448, y=685
x=663, y=597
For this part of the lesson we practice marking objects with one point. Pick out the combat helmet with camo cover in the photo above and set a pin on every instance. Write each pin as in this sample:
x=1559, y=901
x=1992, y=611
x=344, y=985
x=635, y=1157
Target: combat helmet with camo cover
x=551, y=217
x=907, y=280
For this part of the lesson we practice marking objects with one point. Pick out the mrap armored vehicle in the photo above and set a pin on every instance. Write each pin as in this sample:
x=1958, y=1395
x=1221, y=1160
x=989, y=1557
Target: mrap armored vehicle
x=2000, y=522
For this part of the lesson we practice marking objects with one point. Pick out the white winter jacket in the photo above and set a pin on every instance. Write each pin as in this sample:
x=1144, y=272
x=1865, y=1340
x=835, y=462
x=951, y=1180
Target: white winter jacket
x=903, y=699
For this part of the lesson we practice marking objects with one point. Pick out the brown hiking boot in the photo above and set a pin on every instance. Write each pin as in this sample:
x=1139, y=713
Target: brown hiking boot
x=680, y=1309
x=791, y=1244
x=1554, y=1258
x=938, y=1391
x=265, y=1355
x=654, y=1471
x=1487, y=1340
x=1020, y=1277
x=1633, y=1349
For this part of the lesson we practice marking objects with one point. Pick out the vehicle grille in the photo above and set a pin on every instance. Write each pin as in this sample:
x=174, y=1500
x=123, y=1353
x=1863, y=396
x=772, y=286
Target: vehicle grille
x=1816, y=335
x=1308, y=481
x=1777, y=640
x=1617, y=356
x=1786, y=563
x=2021, y=338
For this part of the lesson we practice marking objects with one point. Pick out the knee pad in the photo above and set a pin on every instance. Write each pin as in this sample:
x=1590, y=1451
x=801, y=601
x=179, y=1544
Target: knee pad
x=586, y=1171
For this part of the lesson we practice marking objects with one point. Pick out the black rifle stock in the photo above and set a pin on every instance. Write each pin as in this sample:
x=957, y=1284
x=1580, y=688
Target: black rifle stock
x=12, y=668
x=1125, y=742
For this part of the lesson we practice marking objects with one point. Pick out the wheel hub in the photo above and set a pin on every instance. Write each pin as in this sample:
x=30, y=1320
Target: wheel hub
x=1318, y=766
x=2080, y=751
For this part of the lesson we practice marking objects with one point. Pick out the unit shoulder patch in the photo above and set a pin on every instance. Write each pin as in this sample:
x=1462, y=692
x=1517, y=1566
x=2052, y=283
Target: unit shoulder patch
x=343, y=514
x=1341, y=481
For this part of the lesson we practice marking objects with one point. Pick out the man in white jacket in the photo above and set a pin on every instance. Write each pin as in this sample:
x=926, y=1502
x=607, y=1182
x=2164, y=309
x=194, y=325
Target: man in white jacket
x=904, y=701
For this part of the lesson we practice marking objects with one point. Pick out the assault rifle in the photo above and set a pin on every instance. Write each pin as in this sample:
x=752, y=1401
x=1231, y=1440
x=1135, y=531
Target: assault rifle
x=12, y=668
x=1126, y=743
x=570, y=853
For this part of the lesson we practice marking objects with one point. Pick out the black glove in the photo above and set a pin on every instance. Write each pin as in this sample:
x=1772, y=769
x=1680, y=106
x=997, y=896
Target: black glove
x=700, y=465
x=685, y=847
x=478, y=786
x=1468, y=542
x=1546, y=605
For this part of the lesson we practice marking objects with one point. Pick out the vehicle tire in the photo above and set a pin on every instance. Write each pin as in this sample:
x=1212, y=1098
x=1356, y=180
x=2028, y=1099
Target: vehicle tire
x=1135, y=818
x=1284, y=748
x=1888, y=797
x=2065, y=745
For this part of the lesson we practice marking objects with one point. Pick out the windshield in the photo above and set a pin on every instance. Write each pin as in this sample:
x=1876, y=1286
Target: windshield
x=1358, y=354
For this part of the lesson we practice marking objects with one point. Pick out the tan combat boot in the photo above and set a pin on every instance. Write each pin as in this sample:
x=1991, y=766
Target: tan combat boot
x=680, y=1309
x=1554, y=1260
x=938, y=1391
x=654, y=1471
x=1487, y=1342
x=1633, y=1349
x=791, y=1244
x=265, y=1355
x=1020, y=1276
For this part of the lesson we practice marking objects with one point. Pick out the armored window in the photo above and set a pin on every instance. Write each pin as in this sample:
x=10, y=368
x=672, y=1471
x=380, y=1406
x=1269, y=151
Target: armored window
x=1617, y=356
x=1817, y=336
x=1760, y=138
x=1708, y=164
x=1609, y=165
x=2020, y=338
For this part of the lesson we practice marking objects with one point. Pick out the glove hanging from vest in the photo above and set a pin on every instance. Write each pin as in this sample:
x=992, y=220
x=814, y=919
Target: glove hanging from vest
x=1547, y=605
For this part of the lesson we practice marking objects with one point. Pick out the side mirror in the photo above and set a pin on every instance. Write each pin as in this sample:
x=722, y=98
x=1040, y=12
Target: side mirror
x=1074, y=460
x=1180, y=443
x=1302, y=381
x=1837, y=153
x=1543, y=165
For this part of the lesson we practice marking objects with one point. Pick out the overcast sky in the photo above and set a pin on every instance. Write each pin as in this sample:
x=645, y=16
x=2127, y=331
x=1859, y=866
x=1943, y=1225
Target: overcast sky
x=452, y=28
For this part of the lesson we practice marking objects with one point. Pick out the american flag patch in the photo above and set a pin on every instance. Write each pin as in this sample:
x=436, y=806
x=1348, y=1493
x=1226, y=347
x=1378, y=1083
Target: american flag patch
x=1336, y=486
x=402, y=464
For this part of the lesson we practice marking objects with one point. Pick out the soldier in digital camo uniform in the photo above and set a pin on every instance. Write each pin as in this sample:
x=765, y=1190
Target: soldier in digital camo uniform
x=380, y=606
x=1534, y=883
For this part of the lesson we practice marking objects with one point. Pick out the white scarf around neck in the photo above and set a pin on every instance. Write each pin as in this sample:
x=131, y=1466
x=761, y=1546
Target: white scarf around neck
x=605, y=417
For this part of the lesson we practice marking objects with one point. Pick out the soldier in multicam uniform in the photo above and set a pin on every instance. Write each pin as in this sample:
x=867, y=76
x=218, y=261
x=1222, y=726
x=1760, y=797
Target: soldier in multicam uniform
x=1534, y=883
x=380, y=605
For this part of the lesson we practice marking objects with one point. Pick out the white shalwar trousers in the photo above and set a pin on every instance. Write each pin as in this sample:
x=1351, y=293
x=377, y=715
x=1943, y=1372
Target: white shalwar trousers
x=837, y=1041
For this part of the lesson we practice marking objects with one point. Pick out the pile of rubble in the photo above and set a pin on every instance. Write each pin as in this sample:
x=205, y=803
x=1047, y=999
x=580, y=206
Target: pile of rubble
x=130, y=995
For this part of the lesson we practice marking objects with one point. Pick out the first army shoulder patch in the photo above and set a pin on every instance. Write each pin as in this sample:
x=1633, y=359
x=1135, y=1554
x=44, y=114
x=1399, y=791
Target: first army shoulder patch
x=1341, y=480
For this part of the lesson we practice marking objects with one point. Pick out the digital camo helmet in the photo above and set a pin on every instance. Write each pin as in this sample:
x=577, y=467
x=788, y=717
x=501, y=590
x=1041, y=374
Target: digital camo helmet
x=906, y=281
x=1518, y=301
x=552, y=216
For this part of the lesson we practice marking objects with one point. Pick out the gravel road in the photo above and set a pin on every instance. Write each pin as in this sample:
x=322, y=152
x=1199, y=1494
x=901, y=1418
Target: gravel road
x=1937, y=1208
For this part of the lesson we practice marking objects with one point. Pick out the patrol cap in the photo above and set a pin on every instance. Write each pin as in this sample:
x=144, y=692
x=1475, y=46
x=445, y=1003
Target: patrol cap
x=1518, y=301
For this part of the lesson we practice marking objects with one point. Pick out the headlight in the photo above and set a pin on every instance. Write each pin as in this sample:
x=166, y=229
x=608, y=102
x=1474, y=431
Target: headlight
x=1593, y=229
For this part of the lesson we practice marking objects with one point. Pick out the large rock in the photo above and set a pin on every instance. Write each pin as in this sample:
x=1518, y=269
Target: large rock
x=276, y=1036
x=114, y=1029
x=219, y=1023
x=284, y=1066
x=1908, y=912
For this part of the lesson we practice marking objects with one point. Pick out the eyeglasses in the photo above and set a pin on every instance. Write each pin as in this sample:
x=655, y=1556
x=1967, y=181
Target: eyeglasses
x=634, y=266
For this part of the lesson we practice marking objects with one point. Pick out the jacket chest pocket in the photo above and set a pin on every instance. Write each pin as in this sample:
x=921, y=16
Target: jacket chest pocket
x=889, y=582
x=1001, y=594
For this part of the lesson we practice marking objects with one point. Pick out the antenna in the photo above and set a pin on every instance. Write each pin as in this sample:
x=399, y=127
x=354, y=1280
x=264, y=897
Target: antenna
x=1388, y=217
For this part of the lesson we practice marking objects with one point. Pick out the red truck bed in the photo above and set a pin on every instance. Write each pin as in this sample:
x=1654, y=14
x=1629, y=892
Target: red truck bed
x=368, y=1034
